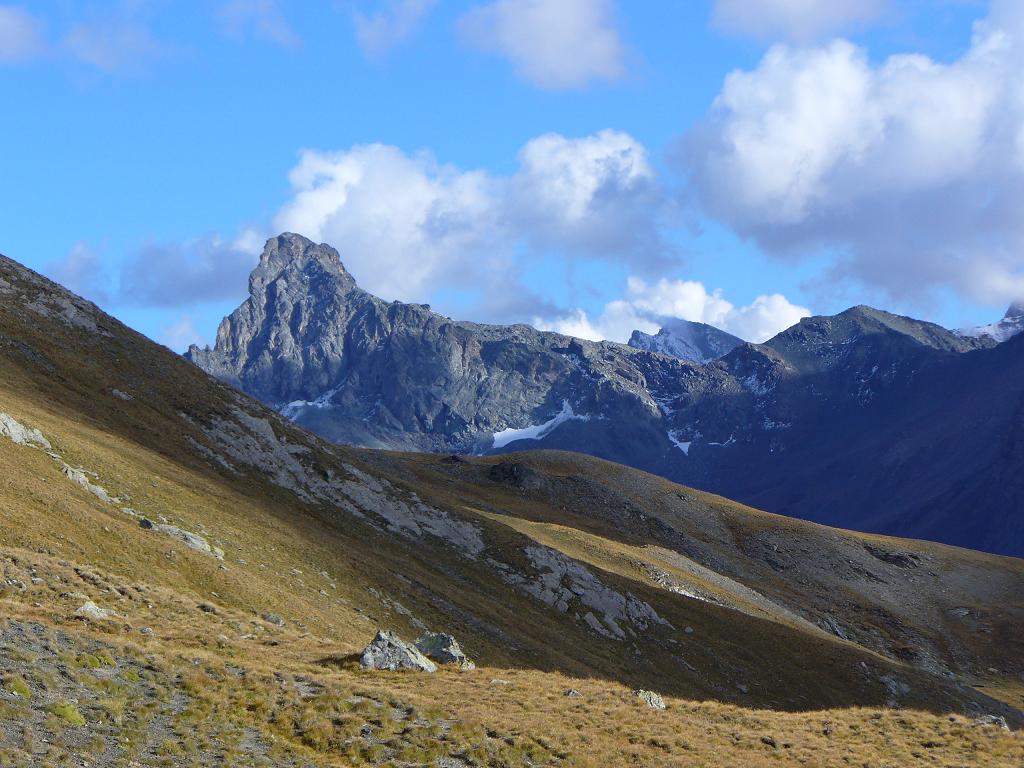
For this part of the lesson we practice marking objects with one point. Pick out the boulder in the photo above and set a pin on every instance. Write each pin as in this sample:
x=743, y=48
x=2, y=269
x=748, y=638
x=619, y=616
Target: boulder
x=651, y=699
x=89, y=610
x=388, y=651
x=444, y=649
x=19, y=434
x=194, y=540
x=995, y=721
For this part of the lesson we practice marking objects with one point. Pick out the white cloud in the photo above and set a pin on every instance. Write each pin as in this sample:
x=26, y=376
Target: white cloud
x=114, y=44
x=407, y=224
x=82, y=271
x=391, y=26
x=181, y=334
x=800, y=20
x=400, y=222
x=911, y=171
x=596, y=194
x=21, y=34
x=189, y=273
x=554, y=44
x=262, y=19
x=647, y=306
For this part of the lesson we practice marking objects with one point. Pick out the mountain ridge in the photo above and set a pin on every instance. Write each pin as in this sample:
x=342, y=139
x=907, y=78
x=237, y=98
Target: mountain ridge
x=807, y=424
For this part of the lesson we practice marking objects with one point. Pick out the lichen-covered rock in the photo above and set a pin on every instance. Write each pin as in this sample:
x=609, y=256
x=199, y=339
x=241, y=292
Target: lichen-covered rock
x=78, y=476
x=19, y=434
x=194, y=540
x=444, y=649
x=388, y=651
x=89, y=610
x=562, y=583
x=651, y=699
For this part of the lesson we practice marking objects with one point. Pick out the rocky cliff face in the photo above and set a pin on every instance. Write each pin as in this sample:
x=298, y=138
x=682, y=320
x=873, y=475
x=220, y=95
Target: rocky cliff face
x=864, y=419
x=361, y=370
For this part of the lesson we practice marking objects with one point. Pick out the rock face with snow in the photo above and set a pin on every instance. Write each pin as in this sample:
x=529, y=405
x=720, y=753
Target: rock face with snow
x=864, y=419
x=1011, y=324
x=696, y=342
x=361, y=370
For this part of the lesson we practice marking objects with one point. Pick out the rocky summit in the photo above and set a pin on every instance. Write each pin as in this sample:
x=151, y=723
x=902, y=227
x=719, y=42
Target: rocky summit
x=687, y=340
x=864, y=419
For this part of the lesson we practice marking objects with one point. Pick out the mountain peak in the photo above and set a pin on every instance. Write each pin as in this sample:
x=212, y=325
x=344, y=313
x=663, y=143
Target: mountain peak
x=290, y=253
x=687, y=340
x=1011, y=325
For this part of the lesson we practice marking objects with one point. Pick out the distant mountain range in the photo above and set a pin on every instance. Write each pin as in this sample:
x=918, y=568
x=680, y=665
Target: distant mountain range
x=865, y=419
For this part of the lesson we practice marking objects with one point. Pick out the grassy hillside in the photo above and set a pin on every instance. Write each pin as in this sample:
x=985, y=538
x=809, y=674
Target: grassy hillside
x=772, y=640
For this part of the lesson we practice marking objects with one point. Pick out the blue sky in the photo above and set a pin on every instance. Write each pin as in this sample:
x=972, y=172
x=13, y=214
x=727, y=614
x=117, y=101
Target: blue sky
x=584, y=165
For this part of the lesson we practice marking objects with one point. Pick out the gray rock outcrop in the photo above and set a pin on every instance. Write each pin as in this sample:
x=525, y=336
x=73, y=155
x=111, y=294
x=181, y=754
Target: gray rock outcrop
x=650, y=698
x=444, y=649
x=388, y=651
x=92, y=612
x=19, y=434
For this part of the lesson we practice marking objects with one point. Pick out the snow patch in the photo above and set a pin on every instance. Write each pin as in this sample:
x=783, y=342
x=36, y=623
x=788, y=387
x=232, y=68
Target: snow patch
x=682, y=445
x=537, y=431
x=292, y=409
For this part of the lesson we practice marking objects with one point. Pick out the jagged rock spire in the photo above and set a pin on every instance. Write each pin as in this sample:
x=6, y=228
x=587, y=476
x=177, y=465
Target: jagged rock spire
x=292, y=253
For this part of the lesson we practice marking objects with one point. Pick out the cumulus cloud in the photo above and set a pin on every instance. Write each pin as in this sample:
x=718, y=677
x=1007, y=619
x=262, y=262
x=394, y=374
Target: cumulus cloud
x=406, y=224
x=800, y=20
x=189, y=273
x=82, y=271
x=392, y=25
x=597, y=194
x=21, y=34
x=262, y=19
x=647, y=306
x=554, y=44
x=399, y=221
x=910, y=171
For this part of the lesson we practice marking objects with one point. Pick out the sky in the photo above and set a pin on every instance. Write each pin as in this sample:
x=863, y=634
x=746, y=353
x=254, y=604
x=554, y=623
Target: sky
x=588, y=166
